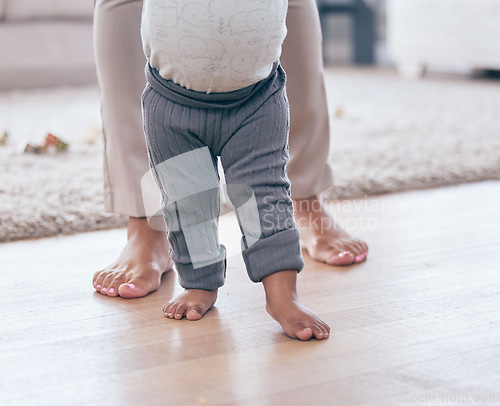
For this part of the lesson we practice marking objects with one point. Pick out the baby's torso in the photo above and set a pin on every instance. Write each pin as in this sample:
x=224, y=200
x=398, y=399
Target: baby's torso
x=213, y=45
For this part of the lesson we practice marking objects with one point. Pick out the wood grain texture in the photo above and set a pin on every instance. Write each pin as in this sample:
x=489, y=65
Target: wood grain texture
x=419, y=320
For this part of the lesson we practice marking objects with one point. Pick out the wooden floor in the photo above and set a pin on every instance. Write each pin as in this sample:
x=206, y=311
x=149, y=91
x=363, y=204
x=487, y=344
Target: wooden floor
x=418, y=323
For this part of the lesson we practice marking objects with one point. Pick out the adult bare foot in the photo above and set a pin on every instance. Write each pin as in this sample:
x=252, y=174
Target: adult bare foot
x=282, y=304
x=323, y=238
x=139, y=268
x=192, y=303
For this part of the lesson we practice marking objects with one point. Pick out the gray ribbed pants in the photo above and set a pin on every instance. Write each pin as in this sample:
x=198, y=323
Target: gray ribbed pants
x=185, y=133
x=120, y=67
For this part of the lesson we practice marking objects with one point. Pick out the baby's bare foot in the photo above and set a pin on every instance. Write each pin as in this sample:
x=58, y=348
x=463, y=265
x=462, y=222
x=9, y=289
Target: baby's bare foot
x=297, y=321
x=192, y=303
x=139, y=268
x=325, y=240
x=282, y=304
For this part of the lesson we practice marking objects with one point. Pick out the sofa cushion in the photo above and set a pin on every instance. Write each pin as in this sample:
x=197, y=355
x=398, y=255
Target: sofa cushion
x=46, y=9
x=46, y=53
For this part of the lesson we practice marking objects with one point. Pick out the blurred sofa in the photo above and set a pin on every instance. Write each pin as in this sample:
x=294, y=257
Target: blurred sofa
x=443, y=35
x=46, y=43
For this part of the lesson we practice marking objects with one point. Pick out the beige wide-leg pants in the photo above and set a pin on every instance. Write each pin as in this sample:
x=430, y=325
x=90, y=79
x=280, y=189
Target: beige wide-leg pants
x=120, y=68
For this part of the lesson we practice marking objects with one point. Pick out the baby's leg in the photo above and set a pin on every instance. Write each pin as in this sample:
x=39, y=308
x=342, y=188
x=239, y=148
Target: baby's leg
x=192, y=232
x=254, y=161
x=185, y=171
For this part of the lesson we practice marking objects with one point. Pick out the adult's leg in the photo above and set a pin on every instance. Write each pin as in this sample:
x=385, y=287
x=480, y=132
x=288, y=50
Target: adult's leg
x=120, y=67
x=308, y=169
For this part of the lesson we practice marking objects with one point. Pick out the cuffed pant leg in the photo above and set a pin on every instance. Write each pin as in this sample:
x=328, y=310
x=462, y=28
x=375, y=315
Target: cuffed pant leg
x=302, y=60
x=185, y=171
x=254, y=160
x=120, y=65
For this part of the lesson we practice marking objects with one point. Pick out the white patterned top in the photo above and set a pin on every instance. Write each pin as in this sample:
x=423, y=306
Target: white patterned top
x=213, y=45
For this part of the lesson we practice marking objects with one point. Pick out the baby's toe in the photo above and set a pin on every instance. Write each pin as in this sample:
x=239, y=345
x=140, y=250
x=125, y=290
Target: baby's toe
x=180, y=311
x=194, y=313
x=302, y=332
x=317, y=332
x=168, y=309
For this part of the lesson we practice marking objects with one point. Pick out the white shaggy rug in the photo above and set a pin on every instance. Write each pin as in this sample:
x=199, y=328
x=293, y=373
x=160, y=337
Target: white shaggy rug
x=396, y=134
x=388, y=134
